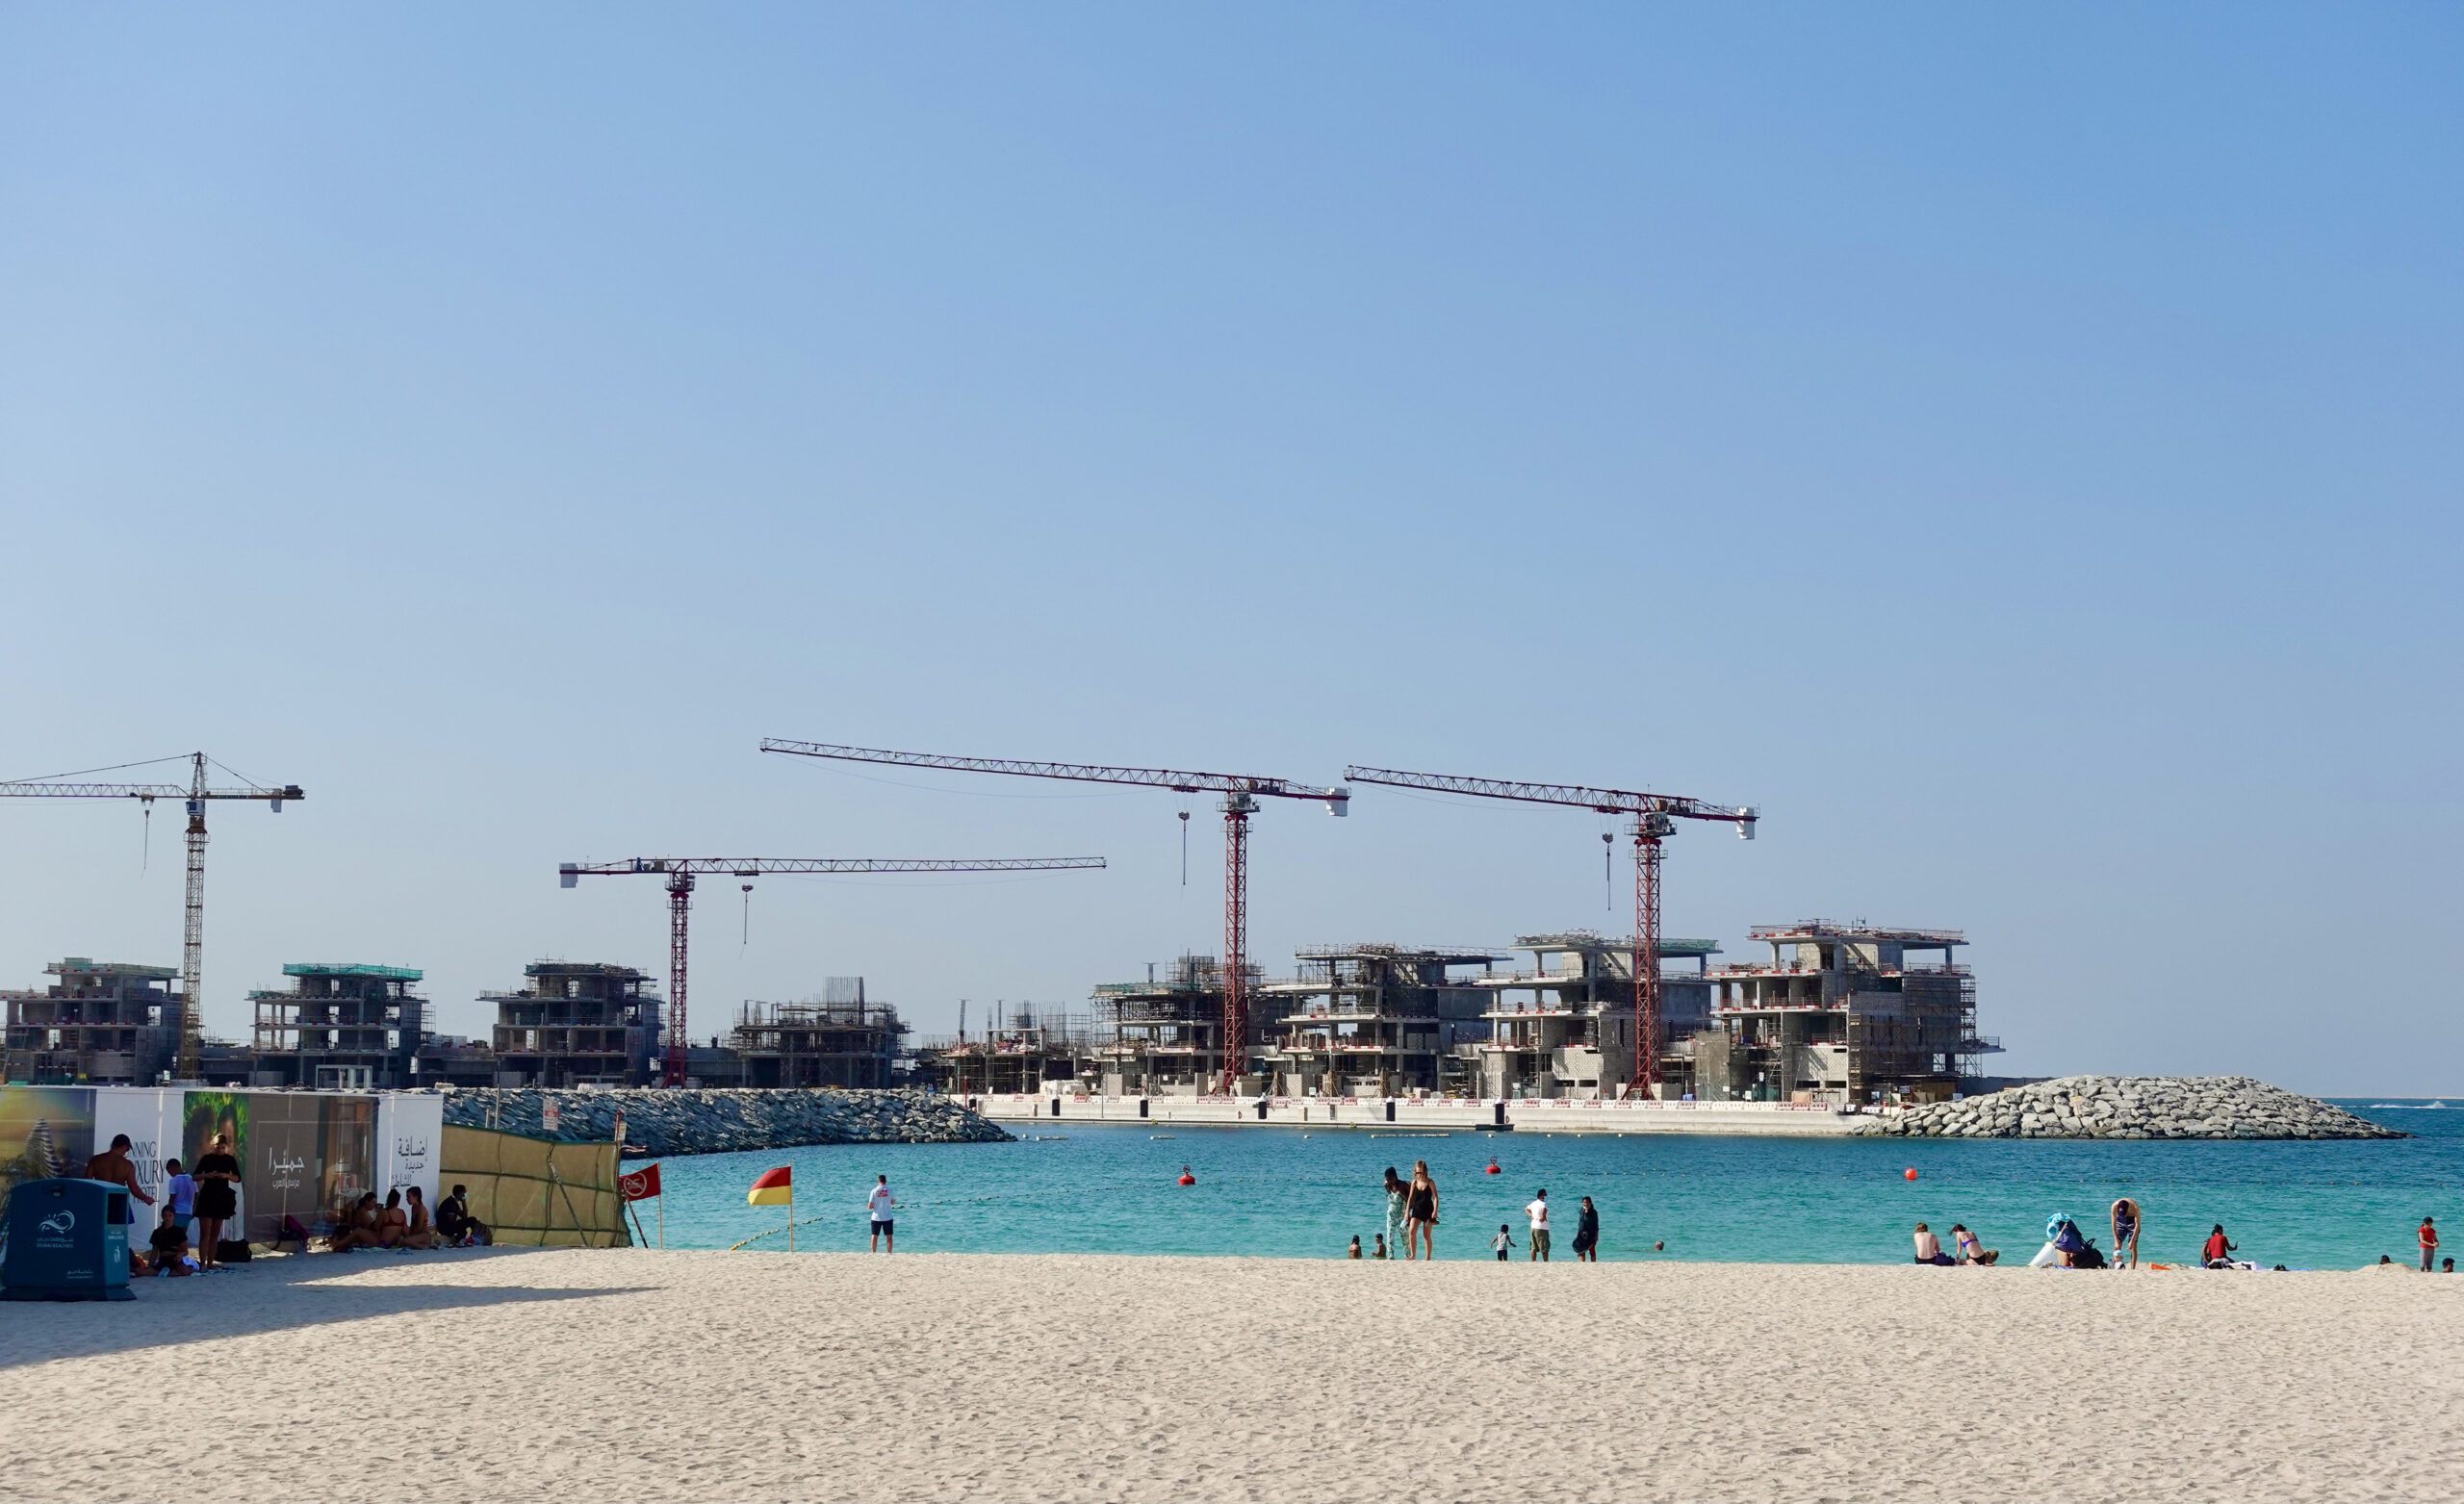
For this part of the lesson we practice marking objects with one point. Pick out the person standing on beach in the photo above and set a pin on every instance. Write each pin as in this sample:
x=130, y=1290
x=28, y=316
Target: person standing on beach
x=2428, y=1237
x=879, y=1205
x=1538, y=1211
x=2126, y=1219
x=1420, y=1212
x=1396, y=1193
x=1586, y=1233
x=1503, y=1242
x=112, y=1166
x=217, y=1197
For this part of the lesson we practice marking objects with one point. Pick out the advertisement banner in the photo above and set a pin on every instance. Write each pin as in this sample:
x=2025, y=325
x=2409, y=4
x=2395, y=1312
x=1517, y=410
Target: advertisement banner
x=410, y=1143
x=44, y=1132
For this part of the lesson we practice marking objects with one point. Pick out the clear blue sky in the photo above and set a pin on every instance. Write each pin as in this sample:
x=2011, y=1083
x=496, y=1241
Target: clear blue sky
x=2021, y=454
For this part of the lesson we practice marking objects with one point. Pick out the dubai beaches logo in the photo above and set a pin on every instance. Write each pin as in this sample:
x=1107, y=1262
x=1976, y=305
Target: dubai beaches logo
x=59, y=1224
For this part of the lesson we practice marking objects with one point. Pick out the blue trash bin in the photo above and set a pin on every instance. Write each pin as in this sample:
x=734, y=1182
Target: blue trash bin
x=67, y=1240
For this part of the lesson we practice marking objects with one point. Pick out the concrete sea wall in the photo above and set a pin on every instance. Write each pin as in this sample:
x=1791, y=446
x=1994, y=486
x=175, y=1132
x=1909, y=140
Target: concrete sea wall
x=2133, y=1107
x=718, y=1122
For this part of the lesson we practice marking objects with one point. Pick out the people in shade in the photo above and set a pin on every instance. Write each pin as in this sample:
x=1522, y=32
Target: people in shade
x=179, y=1190
x=1970, y=1251
x=422, y=1233
x=1928, y=1248
x=217, y=1173
x=1538, y=1211
x=1420, y=1214
x=2218, y=1251
x=170, y=1245
x=1587, y=1233
x=1397, y=1195
x=2126, y=1222
x=2427, y=1238
x=355, y=1227
x=392, y=1222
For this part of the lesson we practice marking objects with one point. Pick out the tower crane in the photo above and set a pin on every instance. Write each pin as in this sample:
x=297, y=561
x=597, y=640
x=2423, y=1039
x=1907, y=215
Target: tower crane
x=1240, y=795
x=1654, y=816
x=196, y=794
x=680, y=871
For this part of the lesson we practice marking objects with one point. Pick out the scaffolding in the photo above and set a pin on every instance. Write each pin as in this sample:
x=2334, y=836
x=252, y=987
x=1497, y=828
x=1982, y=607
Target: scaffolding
x=1378, y=1020
x=1165, y=1036
x=342, y=1026
x=840, y=1040
x=104, y=1022
x=578, y=1022
x=1839, y=1013
x=1028, y=1047
x=1565, y=1026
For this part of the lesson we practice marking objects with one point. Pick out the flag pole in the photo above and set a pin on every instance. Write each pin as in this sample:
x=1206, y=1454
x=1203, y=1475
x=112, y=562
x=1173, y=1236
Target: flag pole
x=791, y=1216
x=663, y=1222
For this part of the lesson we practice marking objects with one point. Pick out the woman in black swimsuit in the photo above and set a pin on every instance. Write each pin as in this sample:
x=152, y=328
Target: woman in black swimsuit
x=1420, y=1212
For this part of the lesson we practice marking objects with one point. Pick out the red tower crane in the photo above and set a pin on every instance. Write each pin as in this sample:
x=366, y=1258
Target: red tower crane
x=1241, y=794
x=196, y=794
x=1654, y=816
x=680, y=871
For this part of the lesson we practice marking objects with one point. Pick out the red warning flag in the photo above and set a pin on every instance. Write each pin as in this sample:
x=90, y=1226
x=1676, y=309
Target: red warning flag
x=639, y=1185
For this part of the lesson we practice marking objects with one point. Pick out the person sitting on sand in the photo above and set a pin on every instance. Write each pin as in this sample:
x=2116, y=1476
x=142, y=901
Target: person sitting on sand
x=1970, y=1250
x=422, y=1233
x=171, y=1243
x=356, y=1226
x=1928, y=1248
x=2218, y=1252
x=454, y=1220
x=2126, y=1220
x=393, y=1222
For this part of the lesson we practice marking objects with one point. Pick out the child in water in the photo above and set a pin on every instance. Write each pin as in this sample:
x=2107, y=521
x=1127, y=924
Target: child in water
x=1381, y=1247
x=1504, y=1241
x=1355, y=1246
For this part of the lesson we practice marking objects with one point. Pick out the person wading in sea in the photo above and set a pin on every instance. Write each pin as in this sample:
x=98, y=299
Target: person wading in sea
x=1419, y=1210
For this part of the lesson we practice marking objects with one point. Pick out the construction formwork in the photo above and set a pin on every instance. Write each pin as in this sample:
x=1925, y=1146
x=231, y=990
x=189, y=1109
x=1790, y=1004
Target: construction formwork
x=1565, y=1025
x=103, y=1023
x=1839, y=1012
x=1026, y=1047
x=1378, y=1020
x=578, y=1022
x=842, y=1039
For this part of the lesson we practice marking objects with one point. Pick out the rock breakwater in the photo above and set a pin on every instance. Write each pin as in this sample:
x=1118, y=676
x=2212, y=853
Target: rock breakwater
x=718, y=1122
x=2133, y=1107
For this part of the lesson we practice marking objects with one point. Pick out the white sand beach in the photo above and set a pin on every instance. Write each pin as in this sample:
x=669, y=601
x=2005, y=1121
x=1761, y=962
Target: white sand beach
x=640, y=1375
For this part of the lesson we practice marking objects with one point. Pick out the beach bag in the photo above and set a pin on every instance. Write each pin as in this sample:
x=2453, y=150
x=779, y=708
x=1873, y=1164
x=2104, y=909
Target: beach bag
x=2087, y=1258
x=231, y=1250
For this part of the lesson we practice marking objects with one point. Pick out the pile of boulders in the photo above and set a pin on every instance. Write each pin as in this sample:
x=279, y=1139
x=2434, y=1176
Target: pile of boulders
x=2133, y=1107
x=660, y=1122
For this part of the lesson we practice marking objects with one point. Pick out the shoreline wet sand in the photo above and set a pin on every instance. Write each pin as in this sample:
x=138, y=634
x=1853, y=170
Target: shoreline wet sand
x=638, y=1375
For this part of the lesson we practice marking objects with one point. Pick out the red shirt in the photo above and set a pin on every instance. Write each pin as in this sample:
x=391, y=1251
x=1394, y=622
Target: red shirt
x=2429, y=1235
x=2216, y=1248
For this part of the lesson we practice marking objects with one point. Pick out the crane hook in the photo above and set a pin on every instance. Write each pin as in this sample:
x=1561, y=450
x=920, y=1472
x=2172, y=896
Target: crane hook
x=1184, y=847
x=748, y=918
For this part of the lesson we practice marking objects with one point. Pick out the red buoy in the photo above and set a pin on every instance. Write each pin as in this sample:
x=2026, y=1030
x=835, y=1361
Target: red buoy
x=1493, y=1169
x=1909, y=1173
x=1187, y=1178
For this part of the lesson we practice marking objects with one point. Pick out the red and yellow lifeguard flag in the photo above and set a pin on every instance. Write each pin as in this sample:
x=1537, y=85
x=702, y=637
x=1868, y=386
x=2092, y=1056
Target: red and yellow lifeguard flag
x=770, y=1189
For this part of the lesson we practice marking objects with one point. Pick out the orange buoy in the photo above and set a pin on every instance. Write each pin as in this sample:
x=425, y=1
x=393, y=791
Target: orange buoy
x=1909, y=1173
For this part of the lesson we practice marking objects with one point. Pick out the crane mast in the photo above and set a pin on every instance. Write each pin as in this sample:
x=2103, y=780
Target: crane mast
x=196, y=794
x=1653, y=818
x=680, y=871
x=1241, y=794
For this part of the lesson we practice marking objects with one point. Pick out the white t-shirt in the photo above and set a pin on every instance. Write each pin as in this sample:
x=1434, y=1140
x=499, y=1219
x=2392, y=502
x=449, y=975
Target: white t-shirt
x=1539, y=1211
x=1501, y=1243
x=879, y=1204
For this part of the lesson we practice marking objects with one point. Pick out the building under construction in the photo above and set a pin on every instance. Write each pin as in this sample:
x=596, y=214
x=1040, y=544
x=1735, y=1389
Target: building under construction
x=103, y=1023
x=1565, y=1028
x=841, y=1040
x=1377, y=1020
x=1021, y=1048
x=1164, y=1036
x=1839, y=1013
x=578, y=1022
x=350, y=1027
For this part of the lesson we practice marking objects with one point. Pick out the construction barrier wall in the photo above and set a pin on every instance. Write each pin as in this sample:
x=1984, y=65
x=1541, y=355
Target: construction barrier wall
x=537, y=1192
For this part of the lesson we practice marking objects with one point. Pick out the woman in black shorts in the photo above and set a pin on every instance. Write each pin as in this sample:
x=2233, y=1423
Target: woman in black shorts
x=1420, y=1212
x=217, y=1197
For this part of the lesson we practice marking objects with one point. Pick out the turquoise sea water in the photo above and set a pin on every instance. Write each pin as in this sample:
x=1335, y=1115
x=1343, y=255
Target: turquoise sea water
x=1276, y=1192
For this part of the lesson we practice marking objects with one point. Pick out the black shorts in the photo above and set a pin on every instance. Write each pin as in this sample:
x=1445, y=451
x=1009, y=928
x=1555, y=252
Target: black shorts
x=882, y=1228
